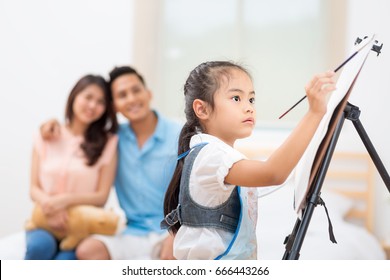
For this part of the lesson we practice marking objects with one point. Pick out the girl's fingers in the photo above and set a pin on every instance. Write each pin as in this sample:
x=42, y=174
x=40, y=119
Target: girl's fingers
x=316, y=78
x=319, y=86
x=319, y=82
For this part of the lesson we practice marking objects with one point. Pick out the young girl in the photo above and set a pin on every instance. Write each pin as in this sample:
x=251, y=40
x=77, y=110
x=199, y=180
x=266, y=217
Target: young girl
x=77, y=168
x=209, y=214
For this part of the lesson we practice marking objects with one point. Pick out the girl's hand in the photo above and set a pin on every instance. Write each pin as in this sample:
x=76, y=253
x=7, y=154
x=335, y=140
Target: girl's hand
x=317, y=91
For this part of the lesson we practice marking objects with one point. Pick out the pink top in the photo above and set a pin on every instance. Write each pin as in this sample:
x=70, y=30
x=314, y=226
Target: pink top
x=62, y=164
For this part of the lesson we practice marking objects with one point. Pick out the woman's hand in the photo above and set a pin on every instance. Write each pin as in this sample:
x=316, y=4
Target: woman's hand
x=317, y=91
x=58, y=221
x=55, y=203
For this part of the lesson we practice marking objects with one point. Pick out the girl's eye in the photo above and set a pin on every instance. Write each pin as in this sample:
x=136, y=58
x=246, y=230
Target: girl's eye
x=252, y=100
x=236, y=98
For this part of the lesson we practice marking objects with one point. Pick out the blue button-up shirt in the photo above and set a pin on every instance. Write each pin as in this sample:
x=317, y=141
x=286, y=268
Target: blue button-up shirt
x=143, y=174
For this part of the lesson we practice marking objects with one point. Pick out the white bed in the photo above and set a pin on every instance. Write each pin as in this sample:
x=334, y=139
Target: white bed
x=277, y=219
x=348, y=195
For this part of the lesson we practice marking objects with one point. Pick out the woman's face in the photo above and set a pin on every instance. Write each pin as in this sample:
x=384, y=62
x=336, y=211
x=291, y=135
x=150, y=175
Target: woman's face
x=89, y=105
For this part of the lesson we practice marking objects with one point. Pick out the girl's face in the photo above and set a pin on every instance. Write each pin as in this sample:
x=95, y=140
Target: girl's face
x=234, y=114
x=89, y=105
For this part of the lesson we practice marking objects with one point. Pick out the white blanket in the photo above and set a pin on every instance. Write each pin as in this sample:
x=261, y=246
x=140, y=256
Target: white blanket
x=277, y=219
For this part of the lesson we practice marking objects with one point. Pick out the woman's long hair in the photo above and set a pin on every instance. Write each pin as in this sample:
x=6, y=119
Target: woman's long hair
x=96, y=135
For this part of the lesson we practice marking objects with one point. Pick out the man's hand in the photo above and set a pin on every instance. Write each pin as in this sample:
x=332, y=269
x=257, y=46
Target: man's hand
x=50, y=130
x=167, y=249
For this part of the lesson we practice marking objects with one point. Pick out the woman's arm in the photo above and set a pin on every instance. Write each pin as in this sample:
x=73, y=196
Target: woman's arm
x=277, y=168
x=36, y=193
x=55, y=219
x=97, y=198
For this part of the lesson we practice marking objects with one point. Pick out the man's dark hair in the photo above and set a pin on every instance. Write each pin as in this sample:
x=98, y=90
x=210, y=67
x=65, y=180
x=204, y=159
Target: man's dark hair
x=123, y=70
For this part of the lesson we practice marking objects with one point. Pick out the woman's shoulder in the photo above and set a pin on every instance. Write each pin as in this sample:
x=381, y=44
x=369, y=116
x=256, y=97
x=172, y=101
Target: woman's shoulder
x=112, y=136
x=112, y=139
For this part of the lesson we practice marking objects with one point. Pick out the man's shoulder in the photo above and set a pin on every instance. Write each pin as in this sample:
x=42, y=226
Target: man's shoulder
x=123, y=129
x=123, y=126
x=170, y=123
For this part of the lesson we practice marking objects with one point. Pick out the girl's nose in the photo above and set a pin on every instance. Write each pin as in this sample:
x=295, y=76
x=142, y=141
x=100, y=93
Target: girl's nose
x=250, y=108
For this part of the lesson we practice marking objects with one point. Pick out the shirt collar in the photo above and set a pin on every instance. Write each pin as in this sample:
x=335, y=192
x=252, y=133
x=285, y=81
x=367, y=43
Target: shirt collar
x=203, y=137
x=159, y=131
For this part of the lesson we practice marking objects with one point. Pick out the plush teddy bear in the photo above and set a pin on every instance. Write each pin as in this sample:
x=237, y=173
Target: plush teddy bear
x=83, y=220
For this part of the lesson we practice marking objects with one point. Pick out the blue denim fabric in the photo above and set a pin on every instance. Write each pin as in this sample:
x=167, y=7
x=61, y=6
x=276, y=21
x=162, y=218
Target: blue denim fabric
x=42, y=245
x=224, y=216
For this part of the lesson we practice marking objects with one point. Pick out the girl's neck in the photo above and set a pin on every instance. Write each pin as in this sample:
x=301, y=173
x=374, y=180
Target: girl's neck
x=77, y=128
x=144, y=128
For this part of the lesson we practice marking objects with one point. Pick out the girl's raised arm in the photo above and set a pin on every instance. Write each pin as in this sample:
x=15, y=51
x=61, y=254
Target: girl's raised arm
x=276, y=169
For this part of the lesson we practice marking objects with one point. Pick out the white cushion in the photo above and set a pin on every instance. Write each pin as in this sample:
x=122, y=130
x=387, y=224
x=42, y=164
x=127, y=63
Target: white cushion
x=13, y=247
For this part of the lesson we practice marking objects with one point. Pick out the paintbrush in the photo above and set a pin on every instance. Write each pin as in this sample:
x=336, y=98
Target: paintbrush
x=337, y=69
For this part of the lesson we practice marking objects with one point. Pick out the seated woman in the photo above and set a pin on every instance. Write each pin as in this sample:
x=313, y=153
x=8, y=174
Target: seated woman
x=77, y=167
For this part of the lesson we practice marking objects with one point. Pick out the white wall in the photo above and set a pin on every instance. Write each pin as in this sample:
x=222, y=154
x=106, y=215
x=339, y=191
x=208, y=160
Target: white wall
x=45, y=47
x=372, y=93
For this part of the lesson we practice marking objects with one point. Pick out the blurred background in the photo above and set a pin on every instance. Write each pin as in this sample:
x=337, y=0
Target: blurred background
x=46, y=46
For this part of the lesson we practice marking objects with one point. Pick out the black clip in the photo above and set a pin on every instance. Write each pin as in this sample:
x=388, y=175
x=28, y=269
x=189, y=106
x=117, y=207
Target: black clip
x=358, y=40
x=375, y=47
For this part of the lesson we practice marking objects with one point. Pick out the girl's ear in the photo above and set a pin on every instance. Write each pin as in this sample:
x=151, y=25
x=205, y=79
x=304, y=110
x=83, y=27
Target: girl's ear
x=201, y=109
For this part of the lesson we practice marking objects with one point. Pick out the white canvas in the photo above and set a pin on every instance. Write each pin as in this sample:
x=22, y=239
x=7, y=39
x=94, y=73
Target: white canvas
x=301, y=174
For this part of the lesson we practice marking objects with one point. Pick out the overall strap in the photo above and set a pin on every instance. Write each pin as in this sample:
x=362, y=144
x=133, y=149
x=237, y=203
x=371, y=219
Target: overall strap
x=173, y=217
x=224, y=216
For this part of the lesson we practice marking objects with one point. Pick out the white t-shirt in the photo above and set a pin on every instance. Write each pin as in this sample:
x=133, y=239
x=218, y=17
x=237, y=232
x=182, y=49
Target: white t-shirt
x=207, y=187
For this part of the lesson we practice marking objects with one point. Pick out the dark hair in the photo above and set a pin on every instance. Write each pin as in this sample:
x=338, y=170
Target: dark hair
x=201, y=84
x=96, y=135
x=123, y=70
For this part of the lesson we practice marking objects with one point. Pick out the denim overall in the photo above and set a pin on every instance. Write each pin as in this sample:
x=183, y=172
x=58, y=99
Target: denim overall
x=232, y=215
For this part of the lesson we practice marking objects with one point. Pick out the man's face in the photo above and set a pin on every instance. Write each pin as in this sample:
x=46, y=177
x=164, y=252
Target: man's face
x=131, y=98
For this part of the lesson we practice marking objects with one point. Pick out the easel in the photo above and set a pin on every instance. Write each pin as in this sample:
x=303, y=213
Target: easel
x=343, y=111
